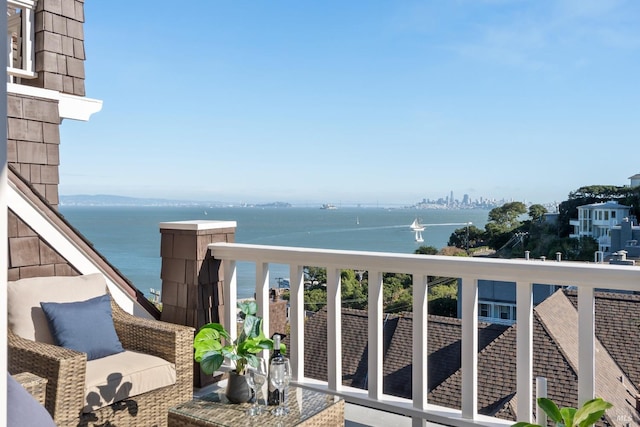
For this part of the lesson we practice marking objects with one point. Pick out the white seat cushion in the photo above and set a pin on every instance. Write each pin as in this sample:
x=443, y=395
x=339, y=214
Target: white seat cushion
x=124, y=375
x=24, y=314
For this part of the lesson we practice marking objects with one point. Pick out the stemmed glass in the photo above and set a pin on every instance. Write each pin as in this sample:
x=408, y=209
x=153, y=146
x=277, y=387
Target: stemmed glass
x=280, y=374
x=256, y=378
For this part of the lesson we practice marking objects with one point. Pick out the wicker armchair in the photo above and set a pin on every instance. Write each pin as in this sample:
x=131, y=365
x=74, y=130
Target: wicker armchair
x=65, y=371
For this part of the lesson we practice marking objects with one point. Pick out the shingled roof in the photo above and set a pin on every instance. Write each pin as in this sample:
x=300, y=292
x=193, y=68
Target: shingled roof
x=621, y=337
x=444, y=348
x=497, y=375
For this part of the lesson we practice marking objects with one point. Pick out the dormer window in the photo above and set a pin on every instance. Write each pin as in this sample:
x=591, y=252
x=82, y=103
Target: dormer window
x=20, y=39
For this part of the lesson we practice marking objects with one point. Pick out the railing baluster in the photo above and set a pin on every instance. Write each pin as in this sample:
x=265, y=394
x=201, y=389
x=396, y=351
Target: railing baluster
x=419, y=368
x=376, y=335
x=231, y=298
x=586, y=345
x=469, y=347
x=524, y=349
x=28, y=40
x=296, y=321
x=334, y=329
x=262, y=294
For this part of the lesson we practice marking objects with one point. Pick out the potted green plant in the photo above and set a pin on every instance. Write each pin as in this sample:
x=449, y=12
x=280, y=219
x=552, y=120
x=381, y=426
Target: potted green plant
x=587, y=415
x=213, y=344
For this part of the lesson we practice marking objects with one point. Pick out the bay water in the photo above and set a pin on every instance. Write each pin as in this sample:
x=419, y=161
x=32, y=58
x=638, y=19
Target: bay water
x=129, y=236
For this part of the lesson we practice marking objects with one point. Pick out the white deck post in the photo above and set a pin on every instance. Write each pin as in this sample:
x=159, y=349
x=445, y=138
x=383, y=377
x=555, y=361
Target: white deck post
x=231, y=298
x=296, y=320
x=586, y=345
x=419, y=370
x=524, y=349
x=376, y=335
x=469, y=347
x=334, y=329
x=262, y=294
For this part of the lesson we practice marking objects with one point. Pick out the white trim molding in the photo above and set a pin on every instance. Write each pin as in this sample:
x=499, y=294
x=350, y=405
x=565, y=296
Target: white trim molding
x=70, y=106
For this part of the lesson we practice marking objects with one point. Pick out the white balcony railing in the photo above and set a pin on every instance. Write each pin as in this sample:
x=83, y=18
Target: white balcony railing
x=584, y=276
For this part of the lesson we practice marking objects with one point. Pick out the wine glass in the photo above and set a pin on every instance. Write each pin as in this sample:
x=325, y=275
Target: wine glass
x=256, y=377
x=280, y=375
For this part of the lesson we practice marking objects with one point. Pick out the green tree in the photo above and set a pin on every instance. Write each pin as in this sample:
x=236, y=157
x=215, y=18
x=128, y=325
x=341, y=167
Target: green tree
x=503, y=221
x=426, y=250
x=443, y=299
x=536, y=212
x=474, y=235
x=315, y=298
x=353, y=293
x=315, y=275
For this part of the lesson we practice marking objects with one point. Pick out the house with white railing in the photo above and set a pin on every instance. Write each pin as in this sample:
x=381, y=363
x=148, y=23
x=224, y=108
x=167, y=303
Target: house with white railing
x=596, y=220
x=46, y=86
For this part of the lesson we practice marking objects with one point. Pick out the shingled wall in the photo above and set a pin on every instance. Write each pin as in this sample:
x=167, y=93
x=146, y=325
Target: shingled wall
x=59, y=46
x=30, y=256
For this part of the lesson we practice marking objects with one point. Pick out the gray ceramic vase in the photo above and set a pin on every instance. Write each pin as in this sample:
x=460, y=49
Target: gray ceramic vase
x=238, y=391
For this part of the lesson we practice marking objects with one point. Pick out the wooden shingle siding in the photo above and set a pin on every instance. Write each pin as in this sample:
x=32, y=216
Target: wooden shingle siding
x=59, y=46
x=33, y=147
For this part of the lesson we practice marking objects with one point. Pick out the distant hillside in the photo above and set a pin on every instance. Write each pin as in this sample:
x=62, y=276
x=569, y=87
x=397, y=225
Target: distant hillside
x=110, y=200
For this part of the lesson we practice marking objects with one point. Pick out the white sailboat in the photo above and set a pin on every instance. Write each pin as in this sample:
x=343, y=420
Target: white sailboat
x=418, y=229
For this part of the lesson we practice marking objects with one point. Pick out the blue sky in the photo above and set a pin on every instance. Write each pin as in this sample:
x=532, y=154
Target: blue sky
x=357, y=101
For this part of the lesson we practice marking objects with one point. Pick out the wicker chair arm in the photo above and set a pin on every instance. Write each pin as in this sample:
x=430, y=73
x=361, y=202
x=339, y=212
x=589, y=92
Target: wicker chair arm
x=166, y=340
x=64, y=370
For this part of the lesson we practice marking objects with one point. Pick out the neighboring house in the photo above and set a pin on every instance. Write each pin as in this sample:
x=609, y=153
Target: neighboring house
x=596, y=220
x=497, y=300
x=555, y=355
x=45, y=86
x=634, y=180
x=626, y=237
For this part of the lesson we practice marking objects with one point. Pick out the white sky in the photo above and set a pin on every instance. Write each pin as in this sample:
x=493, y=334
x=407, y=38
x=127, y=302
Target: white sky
x=357, y=101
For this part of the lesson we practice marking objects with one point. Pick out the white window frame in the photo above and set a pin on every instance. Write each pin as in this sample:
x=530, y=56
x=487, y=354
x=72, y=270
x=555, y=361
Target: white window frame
x=494, y=310
x=26, y=45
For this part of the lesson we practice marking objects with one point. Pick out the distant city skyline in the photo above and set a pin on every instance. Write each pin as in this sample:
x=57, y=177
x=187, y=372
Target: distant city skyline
x=447, y=202
x=342, y=102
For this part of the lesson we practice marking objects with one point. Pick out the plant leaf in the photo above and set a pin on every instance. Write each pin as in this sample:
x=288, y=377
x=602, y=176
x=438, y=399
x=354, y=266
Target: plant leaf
x=248, y=307
x=252, y=360
x=591, y=412
x=217, y=327
x=211, y=362
x=252, y=326
x=207, y=340
x=567, y=415
x=202, y=351
x=525, y=424
x=550, y=408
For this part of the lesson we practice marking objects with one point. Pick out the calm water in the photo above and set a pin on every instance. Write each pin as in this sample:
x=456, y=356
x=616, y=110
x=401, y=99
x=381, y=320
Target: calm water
x=129, y=237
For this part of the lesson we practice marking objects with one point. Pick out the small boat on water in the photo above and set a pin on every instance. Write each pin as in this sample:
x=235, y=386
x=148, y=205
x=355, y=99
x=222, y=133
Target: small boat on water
x=418, y=228
x=328, y=206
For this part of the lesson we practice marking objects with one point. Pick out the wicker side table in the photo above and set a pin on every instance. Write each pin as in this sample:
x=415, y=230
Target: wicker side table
x=307, y=408
x=35, y=385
